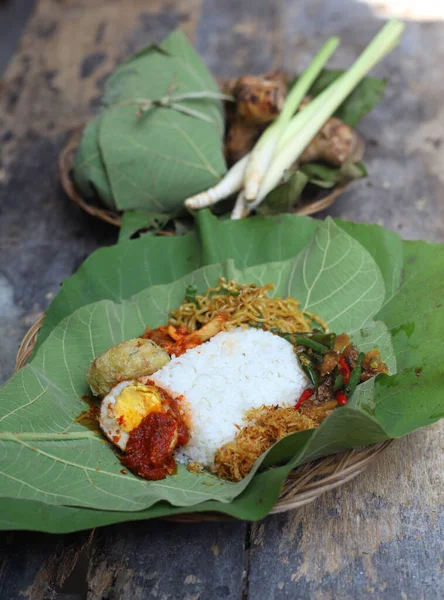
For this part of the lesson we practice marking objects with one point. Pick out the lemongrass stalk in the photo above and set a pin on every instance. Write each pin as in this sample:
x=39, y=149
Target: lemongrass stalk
x=240, y=207
x=297, y=123
x=231, y=182
x=309, y=121
x=263, y=151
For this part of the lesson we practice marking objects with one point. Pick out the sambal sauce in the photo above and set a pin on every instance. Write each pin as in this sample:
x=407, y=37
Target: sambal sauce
x=149, y=452
x=173, y=340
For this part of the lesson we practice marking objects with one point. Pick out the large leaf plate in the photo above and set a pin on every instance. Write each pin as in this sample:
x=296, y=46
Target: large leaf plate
x=120, y=289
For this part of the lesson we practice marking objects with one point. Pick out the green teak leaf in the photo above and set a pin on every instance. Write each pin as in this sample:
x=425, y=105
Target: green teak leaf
x=359, y=103
x=323, y=176
x=117, y=273
x=134, y=221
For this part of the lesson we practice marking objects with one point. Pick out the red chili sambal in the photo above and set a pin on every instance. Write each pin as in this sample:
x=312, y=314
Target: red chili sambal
x=175, y=340
x=150, y=447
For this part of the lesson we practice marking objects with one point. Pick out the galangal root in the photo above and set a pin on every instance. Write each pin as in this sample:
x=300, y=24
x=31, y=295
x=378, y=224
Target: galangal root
x=259, y=100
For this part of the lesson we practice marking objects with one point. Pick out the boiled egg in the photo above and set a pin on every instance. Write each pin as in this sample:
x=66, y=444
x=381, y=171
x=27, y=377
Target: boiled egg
x=125, y=406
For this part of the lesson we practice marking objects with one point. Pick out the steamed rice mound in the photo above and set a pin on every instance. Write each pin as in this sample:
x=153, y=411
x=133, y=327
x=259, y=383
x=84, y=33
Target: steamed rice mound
x=220, y=380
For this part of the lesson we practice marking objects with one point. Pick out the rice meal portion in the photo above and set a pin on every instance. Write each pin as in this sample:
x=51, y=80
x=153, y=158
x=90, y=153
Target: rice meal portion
x=228, y=375
x=233, y=371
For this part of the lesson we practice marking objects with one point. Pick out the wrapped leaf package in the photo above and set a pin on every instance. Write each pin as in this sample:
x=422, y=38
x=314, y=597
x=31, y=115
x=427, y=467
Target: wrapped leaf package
x=152, y=159
x=360, y=278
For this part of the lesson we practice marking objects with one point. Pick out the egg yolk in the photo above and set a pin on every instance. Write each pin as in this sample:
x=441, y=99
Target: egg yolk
x=135, y=402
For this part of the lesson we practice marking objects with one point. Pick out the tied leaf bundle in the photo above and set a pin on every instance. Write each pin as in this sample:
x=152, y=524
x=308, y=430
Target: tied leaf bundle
x=158, y=137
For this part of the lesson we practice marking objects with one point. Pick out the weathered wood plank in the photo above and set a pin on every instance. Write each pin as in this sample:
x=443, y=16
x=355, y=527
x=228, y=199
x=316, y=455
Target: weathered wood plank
x=379, y=536
x=37, y=566
x=237, y=36
x=13, y=16
x=156, y=559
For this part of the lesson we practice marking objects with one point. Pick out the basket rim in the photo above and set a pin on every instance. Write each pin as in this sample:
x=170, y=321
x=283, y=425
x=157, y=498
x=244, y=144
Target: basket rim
x=303, y=485
x=65, y=166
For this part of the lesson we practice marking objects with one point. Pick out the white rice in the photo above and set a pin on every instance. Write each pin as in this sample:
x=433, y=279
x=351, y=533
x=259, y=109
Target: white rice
x=226, y=376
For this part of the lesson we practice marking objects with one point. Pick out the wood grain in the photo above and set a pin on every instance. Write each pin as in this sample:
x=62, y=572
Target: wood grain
x=379, y=536
x=37, y=566
x=167, y=560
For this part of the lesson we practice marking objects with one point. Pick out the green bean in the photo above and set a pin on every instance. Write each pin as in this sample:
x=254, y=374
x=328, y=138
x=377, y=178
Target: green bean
x=355, y=376
x=328, y=339
x=310, y=343
x=308, y=368
x=275, y=330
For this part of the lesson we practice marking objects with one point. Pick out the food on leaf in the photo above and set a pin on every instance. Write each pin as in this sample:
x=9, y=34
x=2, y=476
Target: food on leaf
x=147, y=423
x=265, y=426
x=246, y=370
x=177, y=340
x=126, y=405
x=243, y=304
x=128, y=360
x=149, y=451
x=372, y=364
x=359, y=278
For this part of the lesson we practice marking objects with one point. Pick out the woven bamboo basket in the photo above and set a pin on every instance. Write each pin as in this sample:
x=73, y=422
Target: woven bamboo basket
x=303, y=485
x=66, y=162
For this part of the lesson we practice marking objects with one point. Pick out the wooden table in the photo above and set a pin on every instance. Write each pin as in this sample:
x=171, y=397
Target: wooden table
x=380, y=536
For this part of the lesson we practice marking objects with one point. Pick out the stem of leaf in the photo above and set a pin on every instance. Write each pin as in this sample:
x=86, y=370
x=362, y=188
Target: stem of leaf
x=203, y=95
x=48, y=437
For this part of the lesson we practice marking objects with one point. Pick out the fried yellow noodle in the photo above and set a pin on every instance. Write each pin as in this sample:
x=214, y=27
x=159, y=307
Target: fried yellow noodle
x=245, y=305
